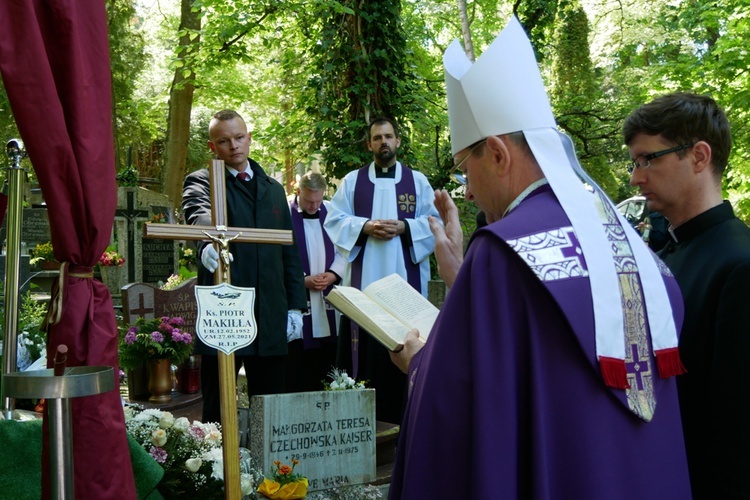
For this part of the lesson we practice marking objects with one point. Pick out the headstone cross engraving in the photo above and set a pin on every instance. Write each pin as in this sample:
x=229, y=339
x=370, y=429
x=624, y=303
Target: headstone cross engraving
x=131, y=215
x=227, y=382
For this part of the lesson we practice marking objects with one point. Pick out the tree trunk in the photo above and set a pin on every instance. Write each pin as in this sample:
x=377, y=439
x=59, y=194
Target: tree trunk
x=180, y=105
x=465, y=30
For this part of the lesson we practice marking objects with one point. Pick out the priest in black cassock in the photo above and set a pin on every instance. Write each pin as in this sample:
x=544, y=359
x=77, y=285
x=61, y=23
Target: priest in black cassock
x=680, y=145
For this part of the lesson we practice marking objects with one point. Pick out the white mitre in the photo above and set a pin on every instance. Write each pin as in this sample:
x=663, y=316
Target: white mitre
x=503, y=92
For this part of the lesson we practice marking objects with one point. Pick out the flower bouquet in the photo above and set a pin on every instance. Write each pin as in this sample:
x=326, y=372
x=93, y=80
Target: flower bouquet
x=284, y=484
x=110, y=258
x=156, y=338
x=340, y=380
x=190, y=454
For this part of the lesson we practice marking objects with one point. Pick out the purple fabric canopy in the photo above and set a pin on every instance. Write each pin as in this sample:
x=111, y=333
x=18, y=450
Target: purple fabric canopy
x=54, y=58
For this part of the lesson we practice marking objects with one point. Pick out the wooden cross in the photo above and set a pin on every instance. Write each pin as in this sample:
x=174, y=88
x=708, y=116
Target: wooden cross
x=227, y=382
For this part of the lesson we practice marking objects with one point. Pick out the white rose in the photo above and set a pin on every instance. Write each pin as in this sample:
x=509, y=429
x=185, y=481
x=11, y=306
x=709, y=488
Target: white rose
x=246, y=484
x=193, y=464
x=159, y=437
x=334, y=385
x=213, y=436
x=166, y=421
x=182, y=424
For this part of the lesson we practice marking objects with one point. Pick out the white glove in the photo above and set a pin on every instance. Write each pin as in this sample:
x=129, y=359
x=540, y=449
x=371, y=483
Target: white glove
x=210, y=258
x=294, y=325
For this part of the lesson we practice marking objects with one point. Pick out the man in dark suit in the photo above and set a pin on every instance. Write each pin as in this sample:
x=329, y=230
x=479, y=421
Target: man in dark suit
x=275, y=271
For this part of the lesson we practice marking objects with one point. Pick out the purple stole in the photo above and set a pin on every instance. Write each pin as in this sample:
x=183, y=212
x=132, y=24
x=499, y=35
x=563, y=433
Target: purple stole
x=523, y=229
x=298, y=224
x=406, y=199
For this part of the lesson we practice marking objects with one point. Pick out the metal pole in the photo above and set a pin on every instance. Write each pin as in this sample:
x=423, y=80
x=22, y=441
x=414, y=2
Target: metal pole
x=15, y=179
x=61, y=449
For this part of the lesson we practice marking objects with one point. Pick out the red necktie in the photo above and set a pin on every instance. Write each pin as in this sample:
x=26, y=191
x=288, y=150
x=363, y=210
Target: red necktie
x=244, y=176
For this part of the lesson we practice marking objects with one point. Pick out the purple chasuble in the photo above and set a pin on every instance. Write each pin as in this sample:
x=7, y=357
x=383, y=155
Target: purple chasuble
x=507, y=400
x=298, y=224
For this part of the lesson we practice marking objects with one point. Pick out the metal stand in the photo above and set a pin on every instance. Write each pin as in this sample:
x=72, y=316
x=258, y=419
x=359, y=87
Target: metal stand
x=76, y=382
x=15, y=180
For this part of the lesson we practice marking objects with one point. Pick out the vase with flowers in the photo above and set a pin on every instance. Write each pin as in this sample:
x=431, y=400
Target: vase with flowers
x=112, y=270
x=159, y=343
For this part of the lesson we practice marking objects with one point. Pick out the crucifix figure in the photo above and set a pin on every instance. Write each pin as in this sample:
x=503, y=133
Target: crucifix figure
x=221, y=234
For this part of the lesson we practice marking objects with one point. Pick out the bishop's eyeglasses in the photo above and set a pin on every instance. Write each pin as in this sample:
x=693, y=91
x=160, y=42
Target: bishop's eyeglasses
x=456, y=172
x=644, y=160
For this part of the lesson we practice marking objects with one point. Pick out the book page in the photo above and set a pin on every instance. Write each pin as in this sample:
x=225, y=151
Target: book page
x=407, y=304
x=368, y=314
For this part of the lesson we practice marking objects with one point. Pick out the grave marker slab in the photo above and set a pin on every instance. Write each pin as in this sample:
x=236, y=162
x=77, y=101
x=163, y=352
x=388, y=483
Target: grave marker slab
x=148, y=261
x=331, y=433
x=34, y=227
x=143, y=300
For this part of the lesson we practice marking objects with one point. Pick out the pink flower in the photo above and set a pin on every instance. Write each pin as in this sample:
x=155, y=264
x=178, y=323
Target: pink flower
x=159, y=454
x=196, y=432
x=157, y=337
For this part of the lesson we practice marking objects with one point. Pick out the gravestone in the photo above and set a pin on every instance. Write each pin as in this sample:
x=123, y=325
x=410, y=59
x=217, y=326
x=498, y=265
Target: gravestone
x=34, y=227
x=24, y=271
x=158, y=256
x=331, y=433
x=147, y=261
x=143, y=300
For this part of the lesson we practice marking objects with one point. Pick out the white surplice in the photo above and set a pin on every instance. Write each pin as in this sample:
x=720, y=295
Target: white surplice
x=317, y=257
x=382, y=257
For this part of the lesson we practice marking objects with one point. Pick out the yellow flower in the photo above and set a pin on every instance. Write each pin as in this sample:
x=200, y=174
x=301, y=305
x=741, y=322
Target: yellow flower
x=268, y=488
x=290, y=491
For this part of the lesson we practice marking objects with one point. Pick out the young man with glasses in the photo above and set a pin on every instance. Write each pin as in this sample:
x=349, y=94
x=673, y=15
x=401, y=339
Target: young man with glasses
x=680, y=146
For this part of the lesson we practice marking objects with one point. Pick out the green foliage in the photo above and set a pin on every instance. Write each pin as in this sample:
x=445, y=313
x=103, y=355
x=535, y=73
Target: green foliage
x=42, y=252
x=127, y=60
x=577, y=98
x=362, y=69
x=127, y=177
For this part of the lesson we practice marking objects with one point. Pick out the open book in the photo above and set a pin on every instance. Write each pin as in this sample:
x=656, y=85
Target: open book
x=387, y=309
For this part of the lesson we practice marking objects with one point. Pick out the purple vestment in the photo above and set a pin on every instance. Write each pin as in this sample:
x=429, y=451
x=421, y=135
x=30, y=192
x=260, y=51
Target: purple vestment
x=298, y=223
x=507, y=399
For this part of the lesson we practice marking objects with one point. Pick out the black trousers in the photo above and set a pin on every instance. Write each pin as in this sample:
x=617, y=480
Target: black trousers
x=265, y=375
x=307, y=369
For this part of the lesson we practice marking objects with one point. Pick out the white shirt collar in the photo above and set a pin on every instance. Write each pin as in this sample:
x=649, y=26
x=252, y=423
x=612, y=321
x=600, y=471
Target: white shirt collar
x=234, y=172
x=526, y=192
